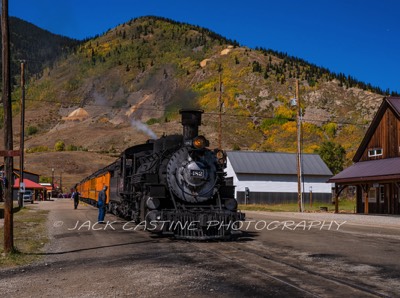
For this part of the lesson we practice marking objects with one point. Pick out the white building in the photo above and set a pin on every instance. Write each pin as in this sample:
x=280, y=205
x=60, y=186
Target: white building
x=272, y=177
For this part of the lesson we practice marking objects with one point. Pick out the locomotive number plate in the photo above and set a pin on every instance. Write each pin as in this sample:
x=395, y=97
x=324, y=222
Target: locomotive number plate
x=197, y=173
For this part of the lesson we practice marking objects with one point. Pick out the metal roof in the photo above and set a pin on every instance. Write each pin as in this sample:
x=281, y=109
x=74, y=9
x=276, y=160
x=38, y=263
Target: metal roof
x=250, y=162
x=28, y=184
x=394, y=102
x=371, y=170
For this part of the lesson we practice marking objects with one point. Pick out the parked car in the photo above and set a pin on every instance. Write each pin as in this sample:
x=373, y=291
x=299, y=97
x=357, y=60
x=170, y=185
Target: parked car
x=28, y=196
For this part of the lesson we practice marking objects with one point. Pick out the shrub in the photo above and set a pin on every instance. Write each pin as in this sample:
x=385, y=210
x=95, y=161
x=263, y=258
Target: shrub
x=75, y=148
x=59, y=146
x=37, y=149
x=31, y=130
x=236, y=147
x=330, y=129
x=71, y=148
x=152, y=121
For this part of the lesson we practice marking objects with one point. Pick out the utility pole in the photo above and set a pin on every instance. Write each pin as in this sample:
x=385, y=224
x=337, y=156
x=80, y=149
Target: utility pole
x=52, y=181
x=220, y=107
x=299, y=178
x=22, y=136
x=8, y=134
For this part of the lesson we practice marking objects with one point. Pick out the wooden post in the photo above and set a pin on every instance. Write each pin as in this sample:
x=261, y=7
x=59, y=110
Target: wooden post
x=336, y=202
x=366, y=199
x=299, y=192
x=22, y=133
x=8, y=134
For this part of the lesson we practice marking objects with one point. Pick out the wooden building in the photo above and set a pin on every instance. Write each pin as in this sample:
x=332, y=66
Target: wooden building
x=376, y=168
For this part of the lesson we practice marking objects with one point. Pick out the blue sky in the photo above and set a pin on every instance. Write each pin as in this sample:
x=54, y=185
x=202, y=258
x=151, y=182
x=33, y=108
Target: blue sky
x=360, y=38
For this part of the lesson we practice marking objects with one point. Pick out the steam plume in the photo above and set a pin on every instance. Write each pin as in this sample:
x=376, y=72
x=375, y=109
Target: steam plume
x=143, y=128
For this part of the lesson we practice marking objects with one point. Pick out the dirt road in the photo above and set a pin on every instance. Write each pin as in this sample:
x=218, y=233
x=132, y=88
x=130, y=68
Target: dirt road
x=85, y=259
x=272, y=259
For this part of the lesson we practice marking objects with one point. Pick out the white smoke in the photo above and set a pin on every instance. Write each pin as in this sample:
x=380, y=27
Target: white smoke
x=100, y=100
x=143, y=128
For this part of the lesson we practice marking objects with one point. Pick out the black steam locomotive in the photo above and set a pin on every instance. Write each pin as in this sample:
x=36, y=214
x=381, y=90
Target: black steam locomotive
x=173, y=185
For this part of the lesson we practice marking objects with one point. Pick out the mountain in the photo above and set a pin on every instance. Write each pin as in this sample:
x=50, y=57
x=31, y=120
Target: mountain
x=115, y=90
x=38, y=47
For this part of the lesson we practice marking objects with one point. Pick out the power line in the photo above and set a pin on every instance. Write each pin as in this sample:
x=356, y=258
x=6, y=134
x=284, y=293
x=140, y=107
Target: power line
x=235, y=115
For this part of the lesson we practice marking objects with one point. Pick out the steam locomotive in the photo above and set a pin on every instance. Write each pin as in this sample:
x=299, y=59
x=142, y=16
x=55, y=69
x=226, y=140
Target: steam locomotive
x=173, y=185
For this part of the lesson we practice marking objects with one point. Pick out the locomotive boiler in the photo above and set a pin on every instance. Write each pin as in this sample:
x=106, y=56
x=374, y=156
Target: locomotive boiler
x=173, y=185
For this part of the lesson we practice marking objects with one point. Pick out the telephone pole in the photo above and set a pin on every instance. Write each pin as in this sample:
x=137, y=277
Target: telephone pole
x=22, y=136
x=299, y=173
x=8, y=134
x=220, y=107
x=296, y=103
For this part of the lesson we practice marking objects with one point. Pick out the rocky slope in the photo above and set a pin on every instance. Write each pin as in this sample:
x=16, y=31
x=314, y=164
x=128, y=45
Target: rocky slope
x=134, y=78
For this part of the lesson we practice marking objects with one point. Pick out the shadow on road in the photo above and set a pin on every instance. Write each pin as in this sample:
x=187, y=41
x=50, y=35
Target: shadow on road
x=89, y=248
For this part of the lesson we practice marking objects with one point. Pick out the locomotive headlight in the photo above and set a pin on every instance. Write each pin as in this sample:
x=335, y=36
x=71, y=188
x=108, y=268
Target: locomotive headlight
x=200, y=142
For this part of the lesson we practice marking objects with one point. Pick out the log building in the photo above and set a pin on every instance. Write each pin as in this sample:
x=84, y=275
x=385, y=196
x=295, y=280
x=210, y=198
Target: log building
x=376, y=168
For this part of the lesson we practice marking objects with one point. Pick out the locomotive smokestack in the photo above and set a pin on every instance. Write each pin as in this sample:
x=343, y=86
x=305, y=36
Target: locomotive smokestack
x=191, y=120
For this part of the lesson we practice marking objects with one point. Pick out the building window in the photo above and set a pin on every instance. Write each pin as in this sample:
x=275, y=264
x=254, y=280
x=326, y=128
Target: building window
x=375, y=152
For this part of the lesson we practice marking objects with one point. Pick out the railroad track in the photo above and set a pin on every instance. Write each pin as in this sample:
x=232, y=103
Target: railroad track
x=254, y=258
x=307, y=282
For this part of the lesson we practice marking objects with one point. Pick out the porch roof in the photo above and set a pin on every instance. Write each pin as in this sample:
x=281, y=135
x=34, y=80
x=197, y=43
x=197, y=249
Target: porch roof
x=28, y=184
x=371, y=171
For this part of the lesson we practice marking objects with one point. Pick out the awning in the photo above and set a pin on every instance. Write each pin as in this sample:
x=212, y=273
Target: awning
x=379, y=170
x=28, y=184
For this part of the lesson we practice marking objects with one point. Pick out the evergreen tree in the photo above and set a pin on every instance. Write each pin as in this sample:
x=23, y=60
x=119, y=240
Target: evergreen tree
x=333, y=155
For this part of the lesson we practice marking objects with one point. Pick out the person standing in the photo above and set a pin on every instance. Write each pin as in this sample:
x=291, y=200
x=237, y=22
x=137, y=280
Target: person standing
x=75, y=197
x=102, y=204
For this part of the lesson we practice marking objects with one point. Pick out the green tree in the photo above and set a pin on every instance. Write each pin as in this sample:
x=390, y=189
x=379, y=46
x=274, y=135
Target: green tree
x=256, y=66
x=333, y=155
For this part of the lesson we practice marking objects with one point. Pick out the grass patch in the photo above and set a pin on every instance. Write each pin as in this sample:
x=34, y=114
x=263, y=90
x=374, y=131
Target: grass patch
x=30, y=236
x=345, y=206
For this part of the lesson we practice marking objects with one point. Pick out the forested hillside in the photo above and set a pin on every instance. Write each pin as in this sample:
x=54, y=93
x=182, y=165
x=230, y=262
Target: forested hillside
x=146, y=69
x=38, y=47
